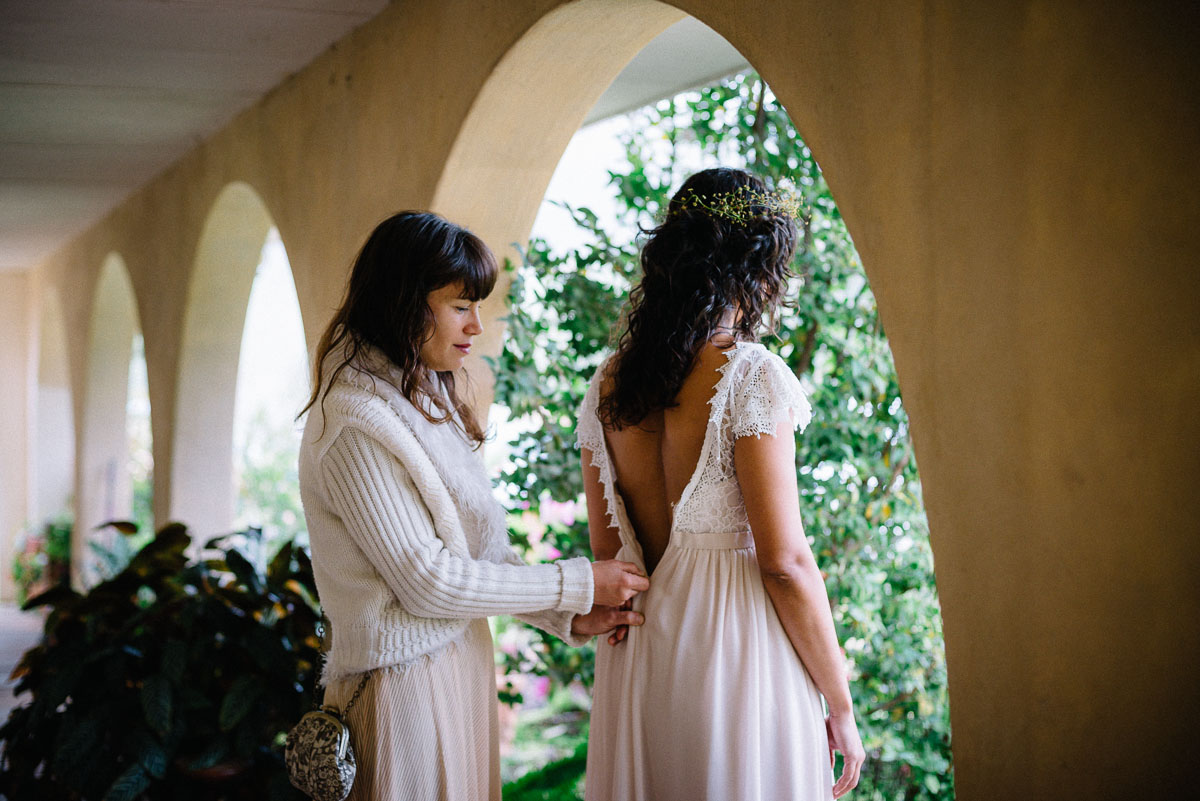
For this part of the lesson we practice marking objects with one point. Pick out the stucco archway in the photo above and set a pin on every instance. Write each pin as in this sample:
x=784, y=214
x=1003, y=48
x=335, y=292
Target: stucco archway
x=230, y=245
x=972, y=153
x=534, y=100
x=103, y=490
x=524, y=116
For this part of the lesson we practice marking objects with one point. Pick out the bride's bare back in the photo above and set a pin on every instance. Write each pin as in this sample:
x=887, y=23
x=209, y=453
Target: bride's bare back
x=655, y=460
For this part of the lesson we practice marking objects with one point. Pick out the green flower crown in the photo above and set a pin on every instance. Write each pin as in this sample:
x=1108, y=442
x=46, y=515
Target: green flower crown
x=743, y=205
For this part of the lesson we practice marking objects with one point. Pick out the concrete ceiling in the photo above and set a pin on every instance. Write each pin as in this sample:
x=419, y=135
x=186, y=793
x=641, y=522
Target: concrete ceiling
x=98, y=96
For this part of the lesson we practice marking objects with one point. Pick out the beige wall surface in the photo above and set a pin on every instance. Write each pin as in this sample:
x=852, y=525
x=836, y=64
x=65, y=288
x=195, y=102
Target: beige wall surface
x=16, y=344
x=1021, y=181
x=53, y=459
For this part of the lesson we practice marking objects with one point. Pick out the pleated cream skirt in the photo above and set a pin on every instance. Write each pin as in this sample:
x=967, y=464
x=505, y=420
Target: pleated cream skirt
x=707, y=701
x=427, y=731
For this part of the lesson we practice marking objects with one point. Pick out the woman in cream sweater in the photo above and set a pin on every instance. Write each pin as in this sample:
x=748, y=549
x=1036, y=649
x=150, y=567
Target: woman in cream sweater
x=410, y=550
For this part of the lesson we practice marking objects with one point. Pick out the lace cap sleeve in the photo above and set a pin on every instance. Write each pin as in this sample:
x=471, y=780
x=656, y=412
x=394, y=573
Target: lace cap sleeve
x=768, y=394
x=588, y=431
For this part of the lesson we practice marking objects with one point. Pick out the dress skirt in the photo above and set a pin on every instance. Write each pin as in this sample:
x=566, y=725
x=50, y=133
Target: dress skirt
x=427, y=730
x=708, y=700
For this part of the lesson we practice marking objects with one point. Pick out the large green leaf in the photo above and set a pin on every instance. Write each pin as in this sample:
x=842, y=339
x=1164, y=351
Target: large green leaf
x=129, y=785
x=59, y=595
x=157, y=703
x=245, y=572
x=216, y=750
x=72, y=756
x=174, y=660
x=238, y=701
x=149, y=751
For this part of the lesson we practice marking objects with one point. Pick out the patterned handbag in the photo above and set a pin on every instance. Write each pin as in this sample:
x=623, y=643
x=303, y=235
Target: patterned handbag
x=320, y=760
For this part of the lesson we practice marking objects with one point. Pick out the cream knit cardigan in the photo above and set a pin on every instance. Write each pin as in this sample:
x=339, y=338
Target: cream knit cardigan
x=408, y=544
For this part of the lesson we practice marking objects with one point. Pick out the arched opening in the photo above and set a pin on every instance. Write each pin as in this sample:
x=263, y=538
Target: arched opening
x=523, y=119
x=529, y=159
x=114, y=467
x=236, y=237
x=272, y=385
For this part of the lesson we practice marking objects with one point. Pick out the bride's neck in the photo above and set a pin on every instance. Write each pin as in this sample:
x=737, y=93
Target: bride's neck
x=724, y=334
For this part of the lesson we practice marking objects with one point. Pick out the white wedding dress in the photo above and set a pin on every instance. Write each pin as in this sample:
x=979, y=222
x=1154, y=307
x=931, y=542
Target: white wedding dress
x=707, y=700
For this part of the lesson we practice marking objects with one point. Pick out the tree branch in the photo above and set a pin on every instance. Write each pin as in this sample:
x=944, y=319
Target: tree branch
x=806, y=353
x=759, y=127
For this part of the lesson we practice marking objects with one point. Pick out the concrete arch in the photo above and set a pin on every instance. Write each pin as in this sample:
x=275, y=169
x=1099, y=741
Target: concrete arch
x=523, y=118
x=981, y=233
x=228, y=251
x=54, y=434
x=103, y=491
x=533, y=102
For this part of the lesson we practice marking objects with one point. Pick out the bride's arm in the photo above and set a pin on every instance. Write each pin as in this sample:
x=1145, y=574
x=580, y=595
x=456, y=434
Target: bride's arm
x=604, y=537
x=605, y=540
x=767, y=474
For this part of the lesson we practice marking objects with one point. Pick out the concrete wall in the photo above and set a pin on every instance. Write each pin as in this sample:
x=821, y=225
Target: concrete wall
x=1020, y=179
x=54, y=428
x=17, y=343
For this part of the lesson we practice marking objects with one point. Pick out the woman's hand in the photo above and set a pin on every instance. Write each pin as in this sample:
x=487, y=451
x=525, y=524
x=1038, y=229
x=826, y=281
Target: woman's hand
x=603, y=619
x=616, y=582
x=622, y=631
x=843, y=736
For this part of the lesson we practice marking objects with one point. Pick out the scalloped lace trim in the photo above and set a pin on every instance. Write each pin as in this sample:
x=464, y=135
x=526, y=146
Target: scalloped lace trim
x=589, y=434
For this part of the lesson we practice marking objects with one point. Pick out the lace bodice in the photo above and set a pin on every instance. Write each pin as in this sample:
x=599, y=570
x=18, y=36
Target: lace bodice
x=755, y=393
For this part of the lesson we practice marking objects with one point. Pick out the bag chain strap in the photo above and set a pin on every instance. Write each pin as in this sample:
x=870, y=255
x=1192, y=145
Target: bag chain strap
x=358, y=690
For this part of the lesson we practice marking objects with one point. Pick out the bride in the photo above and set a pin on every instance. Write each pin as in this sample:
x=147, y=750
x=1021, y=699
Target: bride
x=689, y=468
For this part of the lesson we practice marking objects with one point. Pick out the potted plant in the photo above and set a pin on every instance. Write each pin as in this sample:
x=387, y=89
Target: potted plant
x=168, y=680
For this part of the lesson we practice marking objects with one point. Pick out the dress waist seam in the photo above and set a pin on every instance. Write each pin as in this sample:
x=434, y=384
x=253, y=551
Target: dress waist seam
x=712, y=540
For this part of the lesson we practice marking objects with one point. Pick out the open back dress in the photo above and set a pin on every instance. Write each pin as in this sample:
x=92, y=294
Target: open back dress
x=708, y=699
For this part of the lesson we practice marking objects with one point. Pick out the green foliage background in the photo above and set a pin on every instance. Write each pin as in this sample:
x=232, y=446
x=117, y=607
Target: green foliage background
x=858, y=480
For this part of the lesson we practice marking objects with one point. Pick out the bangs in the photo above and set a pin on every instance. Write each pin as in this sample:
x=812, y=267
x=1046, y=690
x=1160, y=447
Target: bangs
x=475, y=268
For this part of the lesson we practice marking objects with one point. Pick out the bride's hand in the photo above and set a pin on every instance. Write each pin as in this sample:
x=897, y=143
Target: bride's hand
x=616, y=582
x=603, y=619
x=622, y=631
x=843, y=736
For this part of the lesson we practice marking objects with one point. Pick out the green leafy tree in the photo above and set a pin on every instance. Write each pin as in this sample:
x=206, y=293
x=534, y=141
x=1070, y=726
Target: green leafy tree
x=859, y=488
x=268, y=496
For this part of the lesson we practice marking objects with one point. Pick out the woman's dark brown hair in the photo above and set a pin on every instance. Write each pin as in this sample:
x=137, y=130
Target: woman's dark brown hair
x=406, y=257
x=696, y=267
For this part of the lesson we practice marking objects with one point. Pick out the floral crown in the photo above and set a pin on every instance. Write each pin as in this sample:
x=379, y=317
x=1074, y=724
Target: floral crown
x=742, y=205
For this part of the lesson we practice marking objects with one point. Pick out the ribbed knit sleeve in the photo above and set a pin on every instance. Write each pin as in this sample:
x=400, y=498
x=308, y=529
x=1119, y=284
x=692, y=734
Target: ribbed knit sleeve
x=381, y=509
x=552, y=621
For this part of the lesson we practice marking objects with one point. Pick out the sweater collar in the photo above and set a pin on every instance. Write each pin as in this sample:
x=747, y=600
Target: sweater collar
x=459, y=466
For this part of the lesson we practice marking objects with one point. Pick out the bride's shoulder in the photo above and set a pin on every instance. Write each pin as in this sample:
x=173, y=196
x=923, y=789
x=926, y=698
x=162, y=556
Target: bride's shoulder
x=747, y=358
x=764, y=391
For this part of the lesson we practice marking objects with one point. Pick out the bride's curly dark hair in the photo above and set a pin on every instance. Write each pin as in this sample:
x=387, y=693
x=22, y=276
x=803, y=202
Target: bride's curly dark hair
x=697, y=266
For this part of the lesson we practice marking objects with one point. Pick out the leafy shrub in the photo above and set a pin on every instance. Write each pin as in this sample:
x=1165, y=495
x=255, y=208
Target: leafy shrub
x=560, y=780
x=174, y=679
